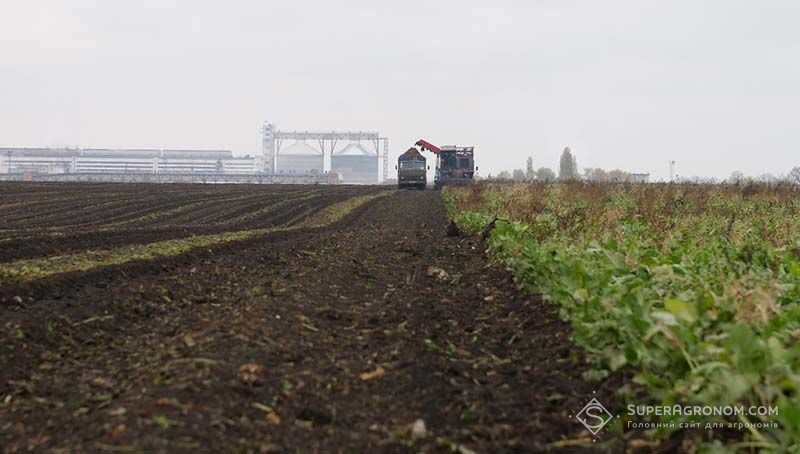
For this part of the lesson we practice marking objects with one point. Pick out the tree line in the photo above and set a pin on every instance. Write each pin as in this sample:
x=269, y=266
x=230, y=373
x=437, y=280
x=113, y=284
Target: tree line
x=568, y=170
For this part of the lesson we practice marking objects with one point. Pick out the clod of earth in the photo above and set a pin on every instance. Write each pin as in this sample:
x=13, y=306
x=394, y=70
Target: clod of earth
x=437, y=273
x=249, y=372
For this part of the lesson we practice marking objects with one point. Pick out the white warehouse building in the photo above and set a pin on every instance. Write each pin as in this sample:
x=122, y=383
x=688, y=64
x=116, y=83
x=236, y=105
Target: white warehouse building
x=67, y=160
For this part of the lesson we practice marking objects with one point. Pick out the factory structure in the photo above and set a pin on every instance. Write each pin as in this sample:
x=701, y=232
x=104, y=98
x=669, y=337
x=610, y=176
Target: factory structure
x=286, y=157
x=361, y=159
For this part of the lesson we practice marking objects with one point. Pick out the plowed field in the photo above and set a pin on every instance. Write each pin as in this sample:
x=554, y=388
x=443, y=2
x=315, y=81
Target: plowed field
x=172, y=318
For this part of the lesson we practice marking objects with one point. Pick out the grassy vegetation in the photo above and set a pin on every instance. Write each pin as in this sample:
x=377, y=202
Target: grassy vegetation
x=693, y=288
x=27, y=269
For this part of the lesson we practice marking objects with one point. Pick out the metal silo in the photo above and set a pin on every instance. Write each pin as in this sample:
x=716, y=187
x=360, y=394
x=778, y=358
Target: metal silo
x=356, y=164
x=300, y=158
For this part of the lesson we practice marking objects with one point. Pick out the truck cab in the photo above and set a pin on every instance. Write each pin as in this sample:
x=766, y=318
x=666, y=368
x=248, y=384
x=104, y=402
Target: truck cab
x=411, y=170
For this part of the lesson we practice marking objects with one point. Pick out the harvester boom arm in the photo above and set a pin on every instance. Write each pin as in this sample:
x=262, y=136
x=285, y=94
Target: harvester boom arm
x=425, y=145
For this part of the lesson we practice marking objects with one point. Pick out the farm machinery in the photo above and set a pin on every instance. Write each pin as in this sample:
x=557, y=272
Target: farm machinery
x=454, y=164
x=411, y=170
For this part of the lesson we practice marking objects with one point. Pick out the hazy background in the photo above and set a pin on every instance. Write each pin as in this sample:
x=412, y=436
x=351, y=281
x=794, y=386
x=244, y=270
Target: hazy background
x=714, y=85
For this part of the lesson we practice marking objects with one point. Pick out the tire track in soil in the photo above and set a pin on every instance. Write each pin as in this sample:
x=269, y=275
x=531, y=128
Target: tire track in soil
x=199, y=215
x=28, y=215
x=89, y=213
x=57, y=244
x=86, y=260
x=231, y=214
x=79, y=204
x=150, y=356
x=129, y=199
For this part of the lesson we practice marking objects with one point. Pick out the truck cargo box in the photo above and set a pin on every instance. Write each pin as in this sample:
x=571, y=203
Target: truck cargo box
x=411, y=170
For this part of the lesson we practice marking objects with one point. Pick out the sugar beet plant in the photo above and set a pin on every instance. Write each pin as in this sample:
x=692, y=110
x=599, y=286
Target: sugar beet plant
x=695, y=289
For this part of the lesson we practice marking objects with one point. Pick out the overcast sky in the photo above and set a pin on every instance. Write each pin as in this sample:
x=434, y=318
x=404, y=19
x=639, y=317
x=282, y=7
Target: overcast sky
x=714, y=85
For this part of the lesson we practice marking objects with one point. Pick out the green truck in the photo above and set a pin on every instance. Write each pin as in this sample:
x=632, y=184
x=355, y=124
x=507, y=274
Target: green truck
x=411, y=170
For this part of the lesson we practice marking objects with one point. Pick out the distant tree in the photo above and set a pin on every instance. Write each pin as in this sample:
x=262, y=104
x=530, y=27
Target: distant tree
x=617, y=176
x=595, y=174
x=546, y=175
x=518, y=175
x=794, y=175
x=768, y=178
x=698, y=180
x=530, y=173
x=736, y=177
x=568, y=165
x=504, y=175
x=599, y=175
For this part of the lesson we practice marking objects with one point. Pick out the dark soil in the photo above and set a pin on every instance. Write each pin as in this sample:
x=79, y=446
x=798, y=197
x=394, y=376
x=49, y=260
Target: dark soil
x=39, y=230
x=334, y=339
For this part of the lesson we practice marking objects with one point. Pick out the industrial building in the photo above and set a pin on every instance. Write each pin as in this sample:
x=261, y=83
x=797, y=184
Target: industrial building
x=307, y=152
x=68, y=160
